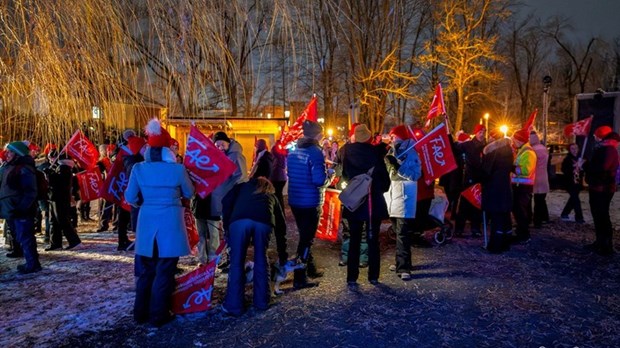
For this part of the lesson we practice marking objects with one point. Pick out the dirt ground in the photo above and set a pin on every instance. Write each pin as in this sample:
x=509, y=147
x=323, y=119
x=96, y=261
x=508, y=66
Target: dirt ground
x=550, y=292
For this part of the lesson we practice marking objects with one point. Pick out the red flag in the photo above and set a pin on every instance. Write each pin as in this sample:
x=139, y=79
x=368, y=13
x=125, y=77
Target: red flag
x=435, y=153
x=208, y=167
x=192, y=230
x=330, y=217
x=194, y=290
x=90, y=183
x=529, y=124
x=82, y=150
x=115, y=184
x=579, y=128
x=437, y=106
x=474, y=195
x=295, y=131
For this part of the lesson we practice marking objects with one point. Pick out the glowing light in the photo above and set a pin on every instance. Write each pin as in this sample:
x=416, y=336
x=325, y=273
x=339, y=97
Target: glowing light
x=504, y=129
x=330, y=132
x=486, y=116
x=287, y=114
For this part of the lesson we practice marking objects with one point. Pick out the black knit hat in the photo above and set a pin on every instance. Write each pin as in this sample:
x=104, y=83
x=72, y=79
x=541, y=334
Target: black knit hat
x=221, y=136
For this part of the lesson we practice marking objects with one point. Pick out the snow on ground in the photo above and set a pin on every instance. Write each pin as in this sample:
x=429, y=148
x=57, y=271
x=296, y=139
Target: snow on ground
x=91, y=289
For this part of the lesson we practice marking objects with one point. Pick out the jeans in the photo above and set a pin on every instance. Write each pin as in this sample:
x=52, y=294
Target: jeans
x=241, y=234
x=154, y=287
x=374, y=260
x=209, y=234
x=541, y=213
x=24, y=232
x=307, y=221
x=522, y=210
x=573, y=203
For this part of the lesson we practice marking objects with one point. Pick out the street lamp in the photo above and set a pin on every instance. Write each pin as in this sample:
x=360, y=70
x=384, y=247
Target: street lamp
x=486, y=126
x=504, y=129
x=546, y=85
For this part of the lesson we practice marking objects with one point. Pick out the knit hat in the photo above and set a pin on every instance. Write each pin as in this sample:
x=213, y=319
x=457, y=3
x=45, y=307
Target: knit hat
x=157, y=136
x=311, y=129
x=18, y=147
x=602, y=131
x=34, y=147
x=522, y=135
x=221, y=136
x=135, y=144
x=463, y=137
x=362, y=134
x=479, y=128
x=352, y=130
x=401, y=132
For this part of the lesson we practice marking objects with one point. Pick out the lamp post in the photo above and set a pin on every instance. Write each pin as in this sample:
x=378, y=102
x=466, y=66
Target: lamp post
x=546, y=85
x=486, y=126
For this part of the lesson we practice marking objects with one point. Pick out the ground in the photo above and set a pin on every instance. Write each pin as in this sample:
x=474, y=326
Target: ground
x=550, y=292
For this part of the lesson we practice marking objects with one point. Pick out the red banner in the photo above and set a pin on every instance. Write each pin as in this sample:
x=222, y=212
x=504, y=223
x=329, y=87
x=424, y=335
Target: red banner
x=194, y=290
x=529, y=124
x=90, y=183
x=435, y=153
x=295, y=131
x=192, y=230
x=437, y=106
x=474, y=195
x=579, y=128
x=208, y=167
x=330, y=217
x=82, y=150
x=116, y=181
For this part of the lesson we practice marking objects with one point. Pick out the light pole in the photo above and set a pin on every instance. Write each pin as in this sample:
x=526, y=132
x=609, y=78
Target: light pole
x=486, y=126
x=546, y=85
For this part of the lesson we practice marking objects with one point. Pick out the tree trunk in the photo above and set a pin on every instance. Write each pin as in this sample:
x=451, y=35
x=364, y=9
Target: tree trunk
x=460, y=108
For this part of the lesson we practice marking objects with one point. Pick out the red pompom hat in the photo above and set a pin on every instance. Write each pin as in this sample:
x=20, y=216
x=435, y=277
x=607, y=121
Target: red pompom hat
x=522, y=135
x=157, y=136
x=463, y=137
x=478, y=128
x=603, y=131
x=401, y=132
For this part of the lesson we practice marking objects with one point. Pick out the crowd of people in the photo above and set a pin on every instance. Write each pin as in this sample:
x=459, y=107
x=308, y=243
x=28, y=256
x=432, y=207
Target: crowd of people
x=249, y=206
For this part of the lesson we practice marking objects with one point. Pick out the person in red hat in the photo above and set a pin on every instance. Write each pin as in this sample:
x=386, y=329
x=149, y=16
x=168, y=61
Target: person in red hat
x=523, y=177
x=174, y=146
x=601, y=178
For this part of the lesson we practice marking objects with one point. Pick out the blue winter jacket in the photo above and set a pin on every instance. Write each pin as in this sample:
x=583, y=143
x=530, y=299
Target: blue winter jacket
x=307, y=175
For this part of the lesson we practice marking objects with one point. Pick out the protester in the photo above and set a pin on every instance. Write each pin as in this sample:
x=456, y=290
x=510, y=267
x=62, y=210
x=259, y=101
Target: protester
x=541, y=181
x=157, y=186
x=18, y=202
x=307, y=178
x=471, y=152
x=251, y=212
x=106, y=209
x=524, y=173
x=572, y=170
x=601, y=179
x=404, y=167
x=497, y=193
x=359, y=157
x=263, y=160
x=174, y=146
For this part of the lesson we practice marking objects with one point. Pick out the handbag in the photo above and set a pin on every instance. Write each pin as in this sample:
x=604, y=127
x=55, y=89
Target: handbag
x=357, y=190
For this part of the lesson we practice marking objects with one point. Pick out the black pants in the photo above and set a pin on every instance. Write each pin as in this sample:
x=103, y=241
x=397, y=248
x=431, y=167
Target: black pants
x=404, y=230
x=374, y=259
x=154, y=287
x=501, y=231
x=573, y=203
x=124, y=219
x=279, y=186
x=307, y=220
x=599, y=206
x=522, y=210
x=61, y=225
x=541, y=213
x=466, y=211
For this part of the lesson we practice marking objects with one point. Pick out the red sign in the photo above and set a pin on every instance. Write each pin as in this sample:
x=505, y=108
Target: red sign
x=207, y=166
x=90, y=183
x=579, y=128
x=194, y=290
x=474, y=195
x=192, y=230
x=435, y=153
x=116, y=181
x=82, y=150
x=330, y=217
x=295, y=131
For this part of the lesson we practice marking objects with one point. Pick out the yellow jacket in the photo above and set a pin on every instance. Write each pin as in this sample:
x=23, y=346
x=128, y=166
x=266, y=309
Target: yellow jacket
x=525, y=166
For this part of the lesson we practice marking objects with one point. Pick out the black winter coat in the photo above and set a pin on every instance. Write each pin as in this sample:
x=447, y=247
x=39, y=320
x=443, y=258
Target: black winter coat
x=496, y=186
x=601, y=170
x=471, y=151
x=18, y=189
x=568, y=171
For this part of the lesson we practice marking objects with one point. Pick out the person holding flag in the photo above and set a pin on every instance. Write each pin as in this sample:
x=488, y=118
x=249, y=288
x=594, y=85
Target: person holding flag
x=524, y=173
x=573, y=183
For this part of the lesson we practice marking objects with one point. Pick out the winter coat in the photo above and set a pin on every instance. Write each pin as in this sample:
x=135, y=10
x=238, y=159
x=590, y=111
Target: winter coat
x=357, y=159
x=242, y=202
x=525, y=166
x=601, y=170
x=279, y=166
x=541, y=180
x=496, y=183
x=235, y=154
x=307, y=174
x=61, y=182
x=401, y=198
x=263, y=166
x=471, y=152
x=157, y=186
x=18, y=189
x=568, y=170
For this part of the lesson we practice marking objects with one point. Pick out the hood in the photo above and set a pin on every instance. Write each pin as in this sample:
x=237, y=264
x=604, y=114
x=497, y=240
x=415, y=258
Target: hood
x=234, y=147
x=159, y=154
x=497, y=144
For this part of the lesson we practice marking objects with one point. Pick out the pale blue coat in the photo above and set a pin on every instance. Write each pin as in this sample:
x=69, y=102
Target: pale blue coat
x=157, y=188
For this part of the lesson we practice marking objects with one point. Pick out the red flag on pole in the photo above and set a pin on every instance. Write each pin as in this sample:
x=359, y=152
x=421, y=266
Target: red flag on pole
x=207, y=166
x=579, y=128
x=529, y=124
x=295, y=131
x=474, y=195
x=82, y=150
x=436, y=153
x=115, y=184
x=90, y=183
x=437, y=106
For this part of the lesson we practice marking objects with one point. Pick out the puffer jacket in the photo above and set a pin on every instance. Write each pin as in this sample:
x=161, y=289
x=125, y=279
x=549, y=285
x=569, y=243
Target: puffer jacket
x=401, y=198
x=18, y=189
x=601, y=170
x=307, y=174
x=235, y=154
x=525, y=166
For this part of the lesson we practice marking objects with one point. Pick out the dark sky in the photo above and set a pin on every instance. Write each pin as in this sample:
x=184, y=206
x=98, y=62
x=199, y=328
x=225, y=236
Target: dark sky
x=588, y=17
